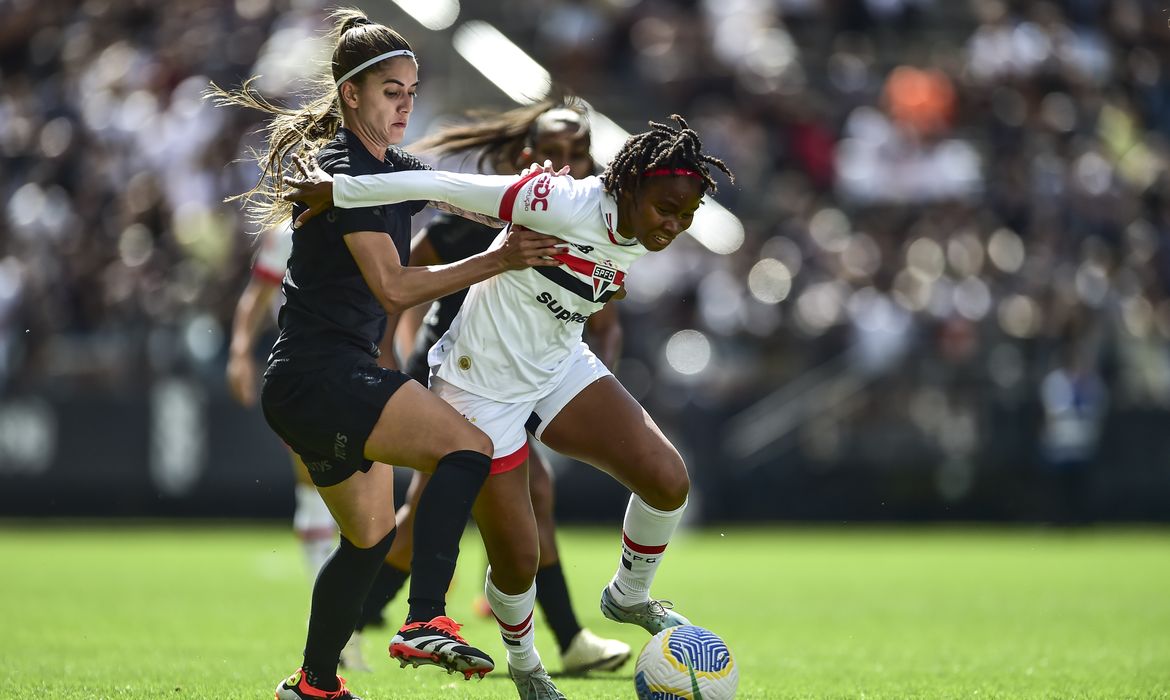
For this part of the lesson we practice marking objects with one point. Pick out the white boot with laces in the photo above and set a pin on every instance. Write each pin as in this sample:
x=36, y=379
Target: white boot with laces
x=588, y=652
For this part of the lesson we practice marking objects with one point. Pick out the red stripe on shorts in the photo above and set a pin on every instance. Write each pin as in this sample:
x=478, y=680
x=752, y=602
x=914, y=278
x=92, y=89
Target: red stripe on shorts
x=509, y=462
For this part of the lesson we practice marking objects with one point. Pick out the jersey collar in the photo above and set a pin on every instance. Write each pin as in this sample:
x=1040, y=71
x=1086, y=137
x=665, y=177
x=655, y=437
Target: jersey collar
x=355, y=145
x=609, y=218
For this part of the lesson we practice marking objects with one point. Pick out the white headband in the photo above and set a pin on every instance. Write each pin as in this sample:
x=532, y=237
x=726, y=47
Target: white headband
x=372, y=61
x=561, y=119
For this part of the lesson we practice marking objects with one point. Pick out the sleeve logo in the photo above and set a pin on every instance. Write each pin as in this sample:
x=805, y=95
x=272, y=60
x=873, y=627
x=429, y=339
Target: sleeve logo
x=540, y=192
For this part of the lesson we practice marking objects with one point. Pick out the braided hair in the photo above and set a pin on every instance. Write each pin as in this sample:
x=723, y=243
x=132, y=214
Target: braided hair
x=662, y=147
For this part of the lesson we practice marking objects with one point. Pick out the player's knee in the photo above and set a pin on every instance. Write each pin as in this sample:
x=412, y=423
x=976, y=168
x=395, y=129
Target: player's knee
x=671, y=486
x=370, y=533
x=473, y=439
x=517, y=571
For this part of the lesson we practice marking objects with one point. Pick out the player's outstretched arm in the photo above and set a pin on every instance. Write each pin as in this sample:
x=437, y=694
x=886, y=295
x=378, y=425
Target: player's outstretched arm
x=490, y=195
x=494, y=221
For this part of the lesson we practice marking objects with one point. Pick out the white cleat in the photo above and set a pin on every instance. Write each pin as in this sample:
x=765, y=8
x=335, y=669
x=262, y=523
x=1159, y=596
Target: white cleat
x=588, y=652
x=535, y=684
x=351, y=655
x=651, y=615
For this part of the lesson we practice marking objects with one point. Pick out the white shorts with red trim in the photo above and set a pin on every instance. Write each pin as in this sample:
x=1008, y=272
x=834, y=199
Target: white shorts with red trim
x=507, y=423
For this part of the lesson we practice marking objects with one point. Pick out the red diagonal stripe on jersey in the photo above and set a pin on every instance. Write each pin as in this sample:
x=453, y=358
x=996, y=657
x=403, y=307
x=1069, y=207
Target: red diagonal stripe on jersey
x=514, y=628
x=512, y=192
x=586, y=267
x=642, y=548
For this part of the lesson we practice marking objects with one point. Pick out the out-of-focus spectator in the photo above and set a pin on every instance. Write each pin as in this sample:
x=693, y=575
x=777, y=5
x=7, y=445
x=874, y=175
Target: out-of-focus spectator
x=1075, y=399
x=933, y=193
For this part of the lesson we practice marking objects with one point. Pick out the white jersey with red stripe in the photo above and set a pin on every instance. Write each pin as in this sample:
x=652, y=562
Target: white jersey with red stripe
x=515, y=331
x=275, y=249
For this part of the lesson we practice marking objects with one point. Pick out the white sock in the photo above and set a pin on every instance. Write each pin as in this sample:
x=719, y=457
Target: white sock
x=645, y=533
x=315, y=528
x=514, y=616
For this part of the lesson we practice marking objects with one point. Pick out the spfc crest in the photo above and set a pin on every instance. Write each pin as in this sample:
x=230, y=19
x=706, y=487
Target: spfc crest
x=603, y=278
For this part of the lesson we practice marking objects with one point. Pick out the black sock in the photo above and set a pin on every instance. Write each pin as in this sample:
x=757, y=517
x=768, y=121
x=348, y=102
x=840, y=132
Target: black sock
x=439, y=522
x=552, y=593
x=338, y=595
x=387, y=583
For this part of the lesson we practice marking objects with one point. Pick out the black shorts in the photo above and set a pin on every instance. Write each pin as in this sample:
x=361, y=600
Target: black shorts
x=327, y=416
x=417, y=368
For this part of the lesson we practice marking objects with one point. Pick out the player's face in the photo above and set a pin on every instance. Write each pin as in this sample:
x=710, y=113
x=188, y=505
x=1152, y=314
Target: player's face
x=385, y=99
x=662, y=209
x=562, y=148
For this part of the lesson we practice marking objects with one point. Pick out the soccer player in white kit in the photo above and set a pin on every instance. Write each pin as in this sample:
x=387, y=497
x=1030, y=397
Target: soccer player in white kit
x=515, y=350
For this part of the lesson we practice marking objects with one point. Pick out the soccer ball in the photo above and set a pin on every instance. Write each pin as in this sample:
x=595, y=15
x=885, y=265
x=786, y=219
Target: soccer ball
x=685, y=663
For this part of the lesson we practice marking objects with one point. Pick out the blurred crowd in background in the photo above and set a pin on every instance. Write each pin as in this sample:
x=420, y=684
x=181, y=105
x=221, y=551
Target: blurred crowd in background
x=955, y=272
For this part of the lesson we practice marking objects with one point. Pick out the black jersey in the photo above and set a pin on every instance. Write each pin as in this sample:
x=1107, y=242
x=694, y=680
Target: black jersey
x=454, y=238
x=329, y=313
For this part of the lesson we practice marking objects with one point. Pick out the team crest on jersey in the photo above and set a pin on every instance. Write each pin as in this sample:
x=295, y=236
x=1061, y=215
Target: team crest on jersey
x=603, y=279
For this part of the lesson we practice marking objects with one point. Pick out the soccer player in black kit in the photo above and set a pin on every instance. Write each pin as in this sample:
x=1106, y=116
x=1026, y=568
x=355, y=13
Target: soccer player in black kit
x=324, y=393
x=556, y=130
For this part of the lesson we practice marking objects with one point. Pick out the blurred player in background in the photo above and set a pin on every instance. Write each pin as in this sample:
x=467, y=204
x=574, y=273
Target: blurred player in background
x=556, y=131
x=312, y=521
x=323, y=392
x=514, y=358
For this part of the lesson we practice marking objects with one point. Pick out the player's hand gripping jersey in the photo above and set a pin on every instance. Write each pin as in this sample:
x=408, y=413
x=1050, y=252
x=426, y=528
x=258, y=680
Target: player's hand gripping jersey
x=515, y=330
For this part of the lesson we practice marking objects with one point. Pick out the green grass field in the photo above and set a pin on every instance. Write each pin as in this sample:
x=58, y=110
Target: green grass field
x=193, y=611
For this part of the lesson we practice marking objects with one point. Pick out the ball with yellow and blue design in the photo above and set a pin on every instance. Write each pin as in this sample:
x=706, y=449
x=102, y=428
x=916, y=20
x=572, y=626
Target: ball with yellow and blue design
x=686, y=663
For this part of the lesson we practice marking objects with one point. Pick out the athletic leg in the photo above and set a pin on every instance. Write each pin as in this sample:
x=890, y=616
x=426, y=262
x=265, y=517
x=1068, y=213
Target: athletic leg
x=507, y=524
x=317, y=532
x=419, y=429
x=636, y=453
x=412, y=428
x=344, y=579
x=581, y=650
x=396, y=569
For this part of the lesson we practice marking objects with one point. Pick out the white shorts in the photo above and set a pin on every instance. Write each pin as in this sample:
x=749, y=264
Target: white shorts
x=507, y=423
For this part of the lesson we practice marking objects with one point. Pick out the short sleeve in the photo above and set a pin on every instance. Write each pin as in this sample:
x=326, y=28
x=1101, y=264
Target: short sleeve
x=343, y=221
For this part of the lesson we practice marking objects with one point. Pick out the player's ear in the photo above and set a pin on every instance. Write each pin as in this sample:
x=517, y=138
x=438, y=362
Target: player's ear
x=349, y=94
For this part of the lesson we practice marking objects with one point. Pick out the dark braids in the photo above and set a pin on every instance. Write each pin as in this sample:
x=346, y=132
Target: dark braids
x=662, y=147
